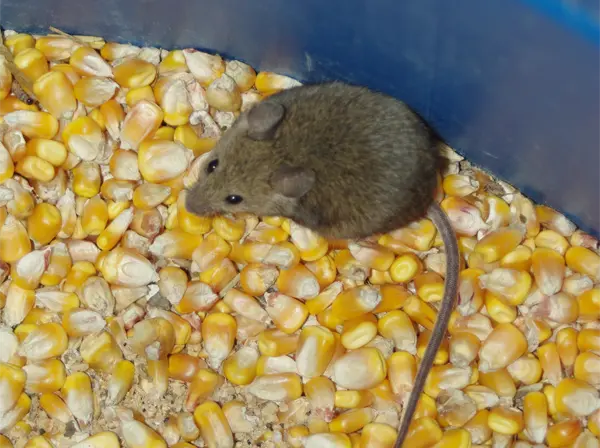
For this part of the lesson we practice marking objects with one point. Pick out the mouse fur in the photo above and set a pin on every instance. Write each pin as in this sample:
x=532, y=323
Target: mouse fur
x=342, y=160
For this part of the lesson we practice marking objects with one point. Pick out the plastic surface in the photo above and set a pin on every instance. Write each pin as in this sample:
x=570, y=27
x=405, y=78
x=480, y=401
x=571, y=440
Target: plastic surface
x=513, y=85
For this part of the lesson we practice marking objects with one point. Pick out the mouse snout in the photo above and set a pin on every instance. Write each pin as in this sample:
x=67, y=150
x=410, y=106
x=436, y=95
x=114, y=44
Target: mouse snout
x=197, y=204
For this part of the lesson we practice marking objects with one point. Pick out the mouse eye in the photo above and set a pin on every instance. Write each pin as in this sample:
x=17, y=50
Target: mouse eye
x=234, y=199
x=212, y=165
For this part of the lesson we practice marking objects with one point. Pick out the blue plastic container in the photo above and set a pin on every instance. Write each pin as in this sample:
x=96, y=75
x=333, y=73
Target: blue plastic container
x=513, y=85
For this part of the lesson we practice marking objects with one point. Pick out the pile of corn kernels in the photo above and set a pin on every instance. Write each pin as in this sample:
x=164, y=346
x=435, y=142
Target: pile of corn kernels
x=128, y=322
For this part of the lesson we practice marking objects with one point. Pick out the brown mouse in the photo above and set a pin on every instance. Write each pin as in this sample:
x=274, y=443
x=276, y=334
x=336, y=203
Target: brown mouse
x=342, y=160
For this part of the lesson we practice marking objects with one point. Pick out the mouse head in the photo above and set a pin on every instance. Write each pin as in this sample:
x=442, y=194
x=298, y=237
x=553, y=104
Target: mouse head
x=247, y=170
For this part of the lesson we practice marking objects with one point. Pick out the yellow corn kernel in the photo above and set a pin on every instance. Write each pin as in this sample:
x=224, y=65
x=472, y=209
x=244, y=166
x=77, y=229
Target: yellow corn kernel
x=510, y=284
x=288, y=314
x=187, y=427
x=48, y=340
x=6, y=80
x=55, y=48
x=10, y=418
x=240, y=367
x=79, y=273
x=141, y=122
x=84, y=138
x=582, y=260
x=80, y=322
x=79, y=396
x=351, y=421
x=101, y=351
x=277, y=387
x=519, y=259
x=224, y=94
x=220, y=275
x=204, y=383
x=186, y=135
x=294, y=436
x=311, y=245
x=87, y=62
x=587, y=368
x=34, y=168
x=420, y=312
x=124, y=165
x=218, y=334
x=499, y=310
x=153, y=338
x=405, y=268
x=500, y=382
x=589, y=305
x=359, y=331
x=197, y=297
x=478, y=427
x=503, y=346
x=507, y=421
x=526, y=370
x=104, y=439
x=134, y=73
x=563, y=433
x=49, y=150
x=87, y=179
x=274, y=342
x=535, y=416
x=55, y=407
x=162, y=160
x=550, y=362
x=229, y=229
x=69, y=71
x=441, y=356
x=139, y=94
x=360, y=369
x=46, y=376
x=19, y=303
x=95, y=216
x=402, y=370
x=356, y=301
x=245, y=305
x=213, y=425
x=298, y=282
x=464, y=348
x=455, y=438
x=576, y=398
x=397, y=326
x=7, y=167
x=553, y=220
x=33, y=124
x=594, y=423
x=499, y=243
x=137, y=434
x=314, y=351
x=113, y=233
x=38, y=442
x=55, y=93
x=566, y=344
x=256, y=278
x=351, y=399
x=459, y=185
x=183, y=367
x=197, y=225
x=430, y=286
x=12, y=383
x=32, y=63
x=19, y=42
x=94, y=91
x=148, y=196
x=172, y=96
x=120, y=264
x=14, y=241
x=423, y=432
x=372, y=255
x=548, y=269
x=59, y=265
x=173, y=63
x=268, y=82
x=549, y=239
x=589, y=340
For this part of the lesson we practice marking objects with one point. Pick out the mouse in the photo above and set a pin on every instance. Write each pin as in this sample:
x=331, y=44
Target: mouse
x=343, y=160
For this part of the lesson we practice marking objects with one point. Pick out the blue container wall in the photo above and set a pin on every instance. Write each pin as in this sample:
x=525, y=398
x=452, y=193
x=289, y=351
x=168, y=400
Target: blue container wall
x=513, y=85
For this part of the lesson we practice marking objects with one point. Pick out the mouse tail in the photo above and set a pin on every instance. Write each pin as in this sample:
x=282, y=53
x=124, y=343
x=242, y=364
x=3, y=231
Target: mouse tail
x=444, y=227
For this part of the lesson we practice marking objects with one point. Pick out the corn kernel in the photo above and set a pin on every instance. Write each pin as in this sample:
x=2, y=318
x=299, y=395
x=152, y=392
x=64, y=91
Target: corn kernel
x=141, y=122
x=397, y=326
x=19, y=42
x=218, y=334
x=360, y=369
x=563, y=433
x=104, y=439
x=274, y=342
x=583, y=260
x=101, y=352
x=240, y=367
x=32, y=63
x=79, y=396
x=79, y=322
x=576, y=398
x=315, y=350
x=213, y=425
x=55, y=93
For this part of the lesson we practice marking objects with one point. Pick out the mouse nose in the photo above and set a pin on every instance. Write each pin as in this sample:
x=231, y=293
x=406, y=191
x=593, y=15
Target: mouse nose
x=194, y=203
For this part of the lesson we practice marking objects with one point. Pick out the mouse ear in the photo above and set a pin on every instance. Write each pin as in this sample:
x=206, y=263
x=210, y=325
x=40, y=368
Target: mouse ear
x=292, y=182
x=264, y=119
